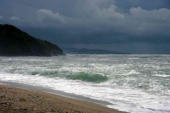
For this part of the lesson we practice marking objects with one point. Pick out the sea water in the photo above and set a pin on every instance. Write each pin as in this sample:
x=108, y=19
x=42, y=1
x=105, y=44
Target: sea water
x=131, y=83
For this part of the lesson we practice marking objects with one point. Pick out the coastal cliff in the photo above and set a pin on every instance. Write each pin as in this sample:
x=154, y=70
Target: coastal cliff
x=14, y=42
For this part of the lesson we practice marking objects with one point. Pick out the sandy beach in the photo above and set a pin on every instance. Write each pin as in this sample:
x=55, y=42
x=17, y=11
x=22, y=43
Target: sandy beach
x=18, y=100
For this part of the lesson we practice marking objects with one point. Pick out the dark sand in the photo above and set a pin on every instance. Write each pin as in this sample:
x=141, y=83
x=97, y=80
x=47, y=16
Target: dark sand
x=17, y=100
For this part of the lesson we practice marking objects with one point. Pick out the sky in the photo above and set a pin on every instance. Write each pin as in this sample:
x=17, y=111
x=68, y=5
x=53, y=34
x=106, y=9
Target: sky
x=134, y=26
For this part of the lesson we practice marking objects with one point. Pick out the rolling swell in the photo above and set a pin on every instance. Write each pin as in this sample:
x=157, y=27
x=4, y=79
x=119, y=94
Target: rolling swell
x=87, y=77
x=97, y=78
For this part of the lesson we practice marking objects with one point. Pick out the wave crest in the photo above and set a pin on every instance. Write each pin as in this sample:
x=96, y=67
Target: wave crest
x=96, y=78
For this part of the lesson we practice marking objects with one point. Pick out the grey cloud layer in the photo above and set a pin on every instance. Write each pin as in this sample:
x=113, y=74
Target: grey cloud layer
x=92, y=21
x=1, y=17
x=89, y=14
x=136, y=21
x=48, y=15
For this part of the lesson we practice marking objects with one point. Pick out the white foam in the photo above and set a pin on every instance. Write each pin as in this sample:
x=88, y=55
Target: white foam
x=161, y=75
x=131, y=72
x=140, y=93
x=122, y=99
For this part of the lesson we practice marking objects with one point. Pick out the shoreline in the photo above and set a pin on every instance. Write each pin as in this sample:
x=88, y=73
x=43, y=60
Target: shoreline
x=57, y=100
x=54, y=92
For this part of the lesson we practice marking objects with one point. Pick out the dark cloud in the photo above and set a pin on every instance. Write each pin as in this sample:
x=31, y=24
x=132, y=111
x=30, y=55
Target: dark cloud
x=138, y=23
x=146, y=4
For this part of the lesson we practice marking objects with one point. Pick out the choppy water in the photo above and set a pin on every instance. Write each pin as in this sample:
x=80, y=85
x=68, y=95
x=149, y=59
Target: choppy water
x=132, y=83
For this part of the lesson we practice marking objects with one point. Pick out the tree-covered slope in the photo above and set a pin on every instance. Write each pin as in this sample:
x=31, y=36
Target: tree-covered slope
x=14, y=42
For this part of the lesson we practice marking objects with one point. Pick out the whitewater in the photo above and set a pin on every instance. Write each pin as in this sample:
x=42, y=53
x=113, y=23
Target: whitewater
x=131, y=83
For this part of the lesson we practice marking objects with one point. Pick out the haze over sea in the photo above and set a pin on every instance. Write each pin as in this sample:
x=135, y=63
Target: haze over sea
x=132, y=83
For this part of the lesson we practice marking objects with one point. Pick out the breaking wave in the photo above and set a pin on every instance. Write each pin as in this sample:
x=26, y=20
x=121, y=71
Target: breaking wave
x=96, y=78
x=88, y=77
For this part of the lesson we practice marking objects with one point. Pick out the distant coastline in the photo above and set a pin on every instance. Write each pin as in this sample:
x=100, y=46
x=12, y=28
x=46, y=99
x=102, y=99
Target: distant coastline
x=91, y=51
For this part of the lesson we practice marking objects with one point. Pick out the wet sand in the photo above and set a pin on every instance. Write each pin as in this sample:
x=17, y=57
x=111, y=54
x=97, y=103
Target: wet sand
x=19, y=100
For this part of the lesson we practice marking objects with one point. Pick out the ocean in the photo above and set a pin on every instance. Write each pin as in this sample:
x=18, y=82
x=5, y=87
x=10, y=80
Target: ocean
x=131, y=83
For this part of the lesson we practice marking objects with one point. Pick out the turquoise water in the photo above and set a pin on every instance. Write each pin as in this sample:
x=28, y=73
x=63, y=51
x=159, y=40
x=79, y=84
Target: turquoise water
x=96, y=78
x=132, y=83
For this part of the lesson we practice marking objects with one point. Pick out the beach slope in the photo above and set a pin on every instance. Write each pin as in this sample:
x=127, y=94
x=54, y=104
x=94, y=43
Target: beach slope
x=15, y=100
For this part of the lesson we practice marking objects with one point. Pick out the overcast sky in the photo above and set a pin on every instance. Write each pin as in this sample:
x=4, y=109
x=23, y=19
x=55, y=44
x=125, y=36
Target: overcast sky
x=121, y=25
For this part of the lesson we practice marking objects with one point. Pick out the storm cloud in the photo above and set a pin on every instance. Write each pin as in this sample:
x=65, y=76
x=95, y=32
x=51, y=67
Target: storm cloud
x=96, y=23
